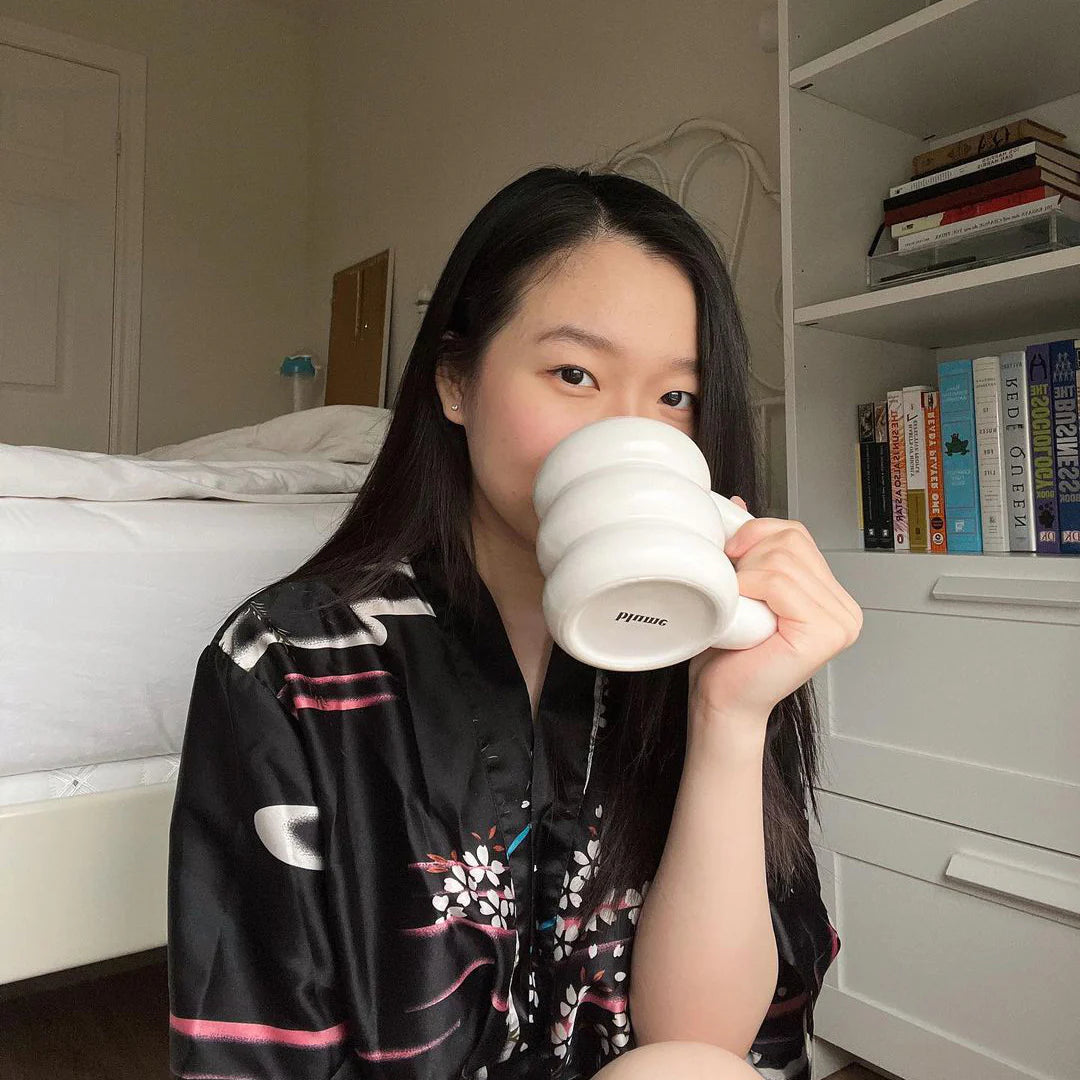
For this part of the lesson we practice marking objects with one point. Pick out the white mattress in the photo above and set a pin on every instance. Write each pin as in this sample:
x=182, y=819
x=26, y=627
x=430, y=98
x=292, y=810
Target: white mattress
x=87, y=779
x=105, y=606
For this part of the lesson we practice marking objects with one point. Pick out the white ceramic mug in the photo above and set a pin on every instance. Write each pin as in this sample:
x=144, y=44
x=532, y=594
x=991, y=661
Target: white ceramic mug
x=631, y=544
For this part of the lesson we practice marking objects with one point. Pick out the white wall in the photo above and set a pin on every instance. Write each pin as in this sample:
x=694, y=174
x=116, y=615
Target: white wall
x=289, y=138
x=226, y=281
x=423, y=110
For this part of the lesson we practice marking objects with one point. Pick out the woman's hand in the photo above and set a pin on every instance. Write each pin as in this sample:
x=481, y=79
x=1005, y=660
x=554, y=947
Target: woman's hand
x=778, y=562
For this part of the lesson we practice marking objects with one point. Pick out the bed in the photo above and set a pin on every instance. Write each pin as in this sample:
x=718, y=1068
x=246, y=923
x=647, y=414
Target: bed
x=114, y=573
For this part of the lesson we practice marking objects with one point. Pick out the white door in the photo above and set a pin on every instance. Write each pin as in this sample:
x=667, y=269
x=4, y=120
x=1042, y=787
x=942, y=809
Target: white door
x=58, y=168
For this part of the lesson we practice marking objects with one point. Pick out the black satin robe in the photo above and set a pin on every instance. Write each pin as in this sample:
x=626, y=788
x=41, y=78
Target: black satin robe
x=371, y=876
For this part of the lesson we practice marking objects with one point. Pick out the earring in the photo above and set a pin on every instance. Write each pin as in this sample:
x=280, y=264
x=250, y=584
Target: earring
x=455, y=407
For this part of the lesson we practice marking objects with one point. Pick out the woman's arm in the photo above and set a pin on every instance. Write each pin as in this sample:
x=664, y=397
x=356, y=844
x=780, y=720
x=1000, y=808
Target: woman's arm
x=705, y=963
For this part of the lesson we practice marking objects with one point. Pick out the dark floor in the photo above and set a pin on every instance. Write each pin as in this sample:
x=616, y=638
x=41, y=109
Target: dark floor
x=109, y=1022
x=111, y=1026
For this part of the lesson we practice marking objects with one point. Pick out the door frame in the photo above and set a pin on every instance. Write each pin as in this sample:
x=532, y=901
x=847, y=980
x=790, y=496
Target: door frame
x=127, y=267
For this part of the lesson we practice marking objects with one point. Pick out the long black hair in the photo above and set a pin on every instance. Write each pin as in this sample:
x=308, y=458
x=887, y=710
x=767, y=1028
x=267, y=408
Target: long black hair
x=417, y=495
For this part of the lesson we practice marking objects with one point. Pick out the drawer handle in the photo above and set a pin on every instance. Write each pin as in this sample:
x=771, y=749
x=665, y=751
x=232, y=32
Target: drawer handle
x=1046, y=890
x=1040, y=592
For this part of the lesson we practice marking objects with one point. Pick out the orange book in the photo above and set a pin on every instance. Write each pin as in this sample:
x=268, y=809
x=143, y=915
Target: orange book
x=935, y=482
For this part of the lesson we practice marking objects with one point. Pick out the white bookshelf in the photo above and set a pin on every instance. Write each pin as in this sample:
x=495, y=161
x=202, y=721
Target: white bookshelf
x=952, y=65
x=954, y=722
x=1025, y=296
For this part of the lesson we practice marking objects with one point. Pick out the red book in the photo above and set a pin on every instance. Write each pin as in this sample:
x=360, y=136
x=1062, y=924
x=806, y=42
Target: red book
x=972, y=210
x=990, y=189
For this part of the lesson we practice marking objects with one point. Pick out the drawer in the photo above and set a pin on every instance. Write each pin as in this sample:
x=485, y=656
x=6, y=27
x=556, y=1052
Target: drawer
x=972, y=718
x=1014, y=588
x=960, y=952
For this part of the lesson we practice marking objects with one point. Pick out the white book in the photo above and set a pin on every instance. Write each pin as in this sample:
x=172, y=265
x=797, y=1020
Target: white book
x=1008, y=216
x=1062, y=158
x=986, y=374
x=915, y=458
x=1019, y=480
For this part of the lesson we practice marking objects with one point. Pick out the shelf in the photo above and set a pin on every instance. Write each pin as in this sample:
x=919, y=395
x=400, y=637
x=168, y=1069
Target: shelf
x=1034, y=295
x=1008, y=585
x=954, y=65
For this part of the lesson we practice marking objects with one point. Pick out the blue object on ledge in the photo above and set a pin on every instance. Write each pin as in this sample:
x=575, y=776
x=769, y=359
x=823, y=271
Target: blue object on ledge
x=297, y=365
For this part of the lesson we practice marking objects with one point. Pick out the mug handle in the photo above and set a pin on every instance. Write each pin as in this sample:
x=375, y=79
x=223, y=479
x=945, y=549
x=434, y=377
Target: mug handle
x=753, y=620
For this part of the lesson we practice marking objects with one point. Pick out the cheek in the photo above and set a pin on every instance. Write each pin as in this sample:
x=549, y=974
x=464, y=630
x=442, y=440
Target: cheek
x=511, y=436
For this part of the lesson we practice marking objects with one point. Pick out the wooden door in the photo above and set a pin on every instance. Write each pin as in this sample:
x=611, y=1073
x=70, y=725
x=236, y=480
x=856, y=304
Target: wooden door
x=359, y=332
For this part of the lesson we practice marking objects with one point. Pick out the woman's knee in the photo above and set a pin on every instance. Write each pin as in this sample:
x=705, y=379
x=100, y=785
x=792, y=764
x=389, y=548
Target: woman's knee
x=678, y=1061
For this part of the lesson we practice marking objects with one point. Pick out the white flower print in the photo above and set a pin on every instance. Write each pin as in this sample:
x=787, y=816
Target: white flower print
x=473, y=888
x=480, y=867
x=602, y=943
x=496, y=907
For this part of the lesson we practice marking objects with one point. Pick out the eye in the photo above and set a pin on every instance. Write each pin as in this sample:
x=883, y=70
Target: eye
x=688, y=399
x=577, y=376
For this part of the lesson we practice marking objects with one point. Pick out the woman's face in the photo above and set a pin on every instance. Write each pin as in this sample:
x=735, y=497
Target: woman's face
x=612, y=331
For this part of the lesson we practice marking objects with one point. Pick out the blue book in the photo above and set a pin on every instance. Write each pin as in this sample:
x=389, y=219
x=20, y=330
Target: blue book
x=1041, y=422
x=963, y=521
x=1066, y=462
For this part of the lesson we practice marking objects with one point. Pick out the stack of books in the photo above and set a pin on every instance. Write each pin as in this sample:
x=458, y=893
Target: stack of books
x=999, y=178
x=985, y=462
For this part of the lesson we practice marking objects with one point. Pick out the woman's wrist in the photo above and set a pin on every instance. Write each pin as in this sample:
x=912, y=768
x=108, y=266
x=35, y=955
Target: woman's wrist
x=726, y=738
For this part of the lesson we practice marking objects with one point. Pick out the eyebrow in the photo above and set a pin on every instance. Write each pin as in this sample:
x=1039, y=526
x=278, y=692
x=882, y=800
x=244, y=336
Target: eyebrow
x=580, y=336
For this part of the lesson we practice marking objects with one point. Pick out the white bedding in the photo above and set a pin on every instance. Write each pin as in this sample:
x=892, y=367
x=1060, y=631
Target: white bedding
x=104, y=607
x=300, y=457
x=115, y=572
x=64, y=783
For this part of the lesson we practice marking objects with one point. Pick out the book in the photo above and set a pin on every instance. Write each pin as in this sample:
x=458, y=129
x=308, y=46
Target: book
x=970, y=210
x=883, y=475
x=915, y=456
x=874, y=479
x=957, y=400
x=1044, y=475
x=1063, y=367
x=1009, y=216
x=935, y=488
x=1053, y=155
x=898, y=469
x=860, y=516
x=985, y=142
x=985, y=189
x=986, y=376
x=1019, y=489
x=867, y=455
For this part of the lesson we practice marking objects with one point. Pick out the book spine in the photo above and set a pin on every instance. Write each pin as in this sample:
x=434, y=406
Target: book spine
x=935, y=488
x=867, y=454
x=970, y=210
x=986, y=372
x=1019, y=487
x=915, y=451
x=1025, y=149
x=986, y=142
x=988, y=189
x=1040, y=418
x=957, y=401
x=1066, y=461
x=882, y=476
x=930, y=237
x=898, y=469
x=860, y=516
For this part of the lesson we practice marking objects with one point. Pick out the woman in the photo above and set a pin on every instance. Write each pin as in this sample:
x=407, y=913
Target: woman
x=414, y=838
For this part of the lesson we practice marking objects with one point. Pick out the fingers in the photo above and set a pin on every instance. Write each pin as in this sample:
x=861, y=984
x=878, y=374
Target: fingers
x=759, y=537
x=819, y=618
x=798, y=555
